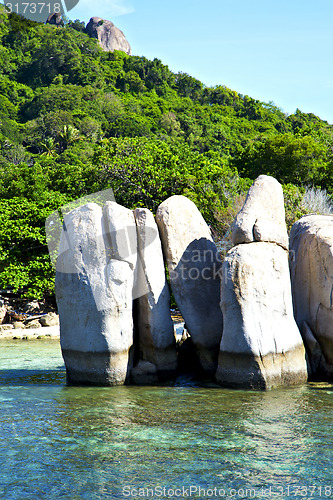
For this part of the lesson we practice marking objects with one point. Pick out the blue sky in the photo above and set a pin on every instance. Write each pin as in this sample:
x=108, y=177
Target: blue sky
x=278, y=51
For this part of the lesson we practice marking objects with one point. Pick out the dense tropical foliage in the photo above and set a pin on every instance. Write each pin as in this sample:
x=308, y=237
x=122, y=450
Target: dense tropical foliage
x=75, y=120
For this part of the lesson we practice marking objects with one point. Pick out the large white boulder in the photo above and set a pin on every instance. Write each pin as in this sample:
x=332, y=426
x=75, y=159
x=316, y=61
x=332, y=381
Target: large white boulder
x=94, y=281
x=152, y=318
x=262, y=217
x=261, y=345
x=194, y=268
x=110, y=37
x=311, y=269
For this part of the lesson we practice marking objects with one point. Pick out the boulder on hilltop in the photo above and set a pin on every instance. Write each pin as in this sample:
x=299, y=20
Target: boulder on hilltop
x=108, y=35
x=55, y=18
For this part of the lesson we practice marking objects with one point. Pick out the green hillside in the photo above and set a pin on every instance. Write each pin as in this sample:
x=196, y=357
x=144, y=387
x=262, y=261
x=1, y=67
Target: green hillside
x=75, y=120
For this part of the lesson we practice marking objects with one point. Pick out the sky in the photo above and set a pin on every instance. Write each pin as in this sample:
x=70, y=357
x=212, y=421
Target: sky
x=271, y=50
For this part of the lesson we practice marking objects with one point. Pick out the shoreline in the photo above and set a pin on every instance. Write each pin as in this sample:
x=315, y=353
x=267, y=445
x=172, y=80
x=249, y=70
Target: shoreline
x=53, y=332
x=45, y=332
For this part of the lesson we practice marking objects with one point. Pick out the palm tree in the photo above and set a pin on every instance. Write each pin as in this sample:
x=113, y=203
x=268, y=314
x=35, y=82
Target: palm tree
x=68, y=135
x=49, y=146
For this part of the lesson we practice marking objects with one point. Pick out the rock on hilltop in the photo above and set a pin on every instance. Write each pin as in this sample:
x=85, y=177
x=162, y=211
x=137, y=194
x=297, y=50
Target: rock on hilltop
x=109, y=36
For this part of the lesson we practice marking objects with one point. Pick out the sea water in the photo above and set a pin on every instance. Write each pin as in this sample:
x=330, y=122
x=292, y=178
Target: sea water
x=181, y=441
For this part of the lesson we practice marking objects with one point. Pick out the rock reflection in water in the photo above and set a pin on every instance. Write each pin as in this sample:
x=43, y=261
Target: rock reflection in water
x=89, y=442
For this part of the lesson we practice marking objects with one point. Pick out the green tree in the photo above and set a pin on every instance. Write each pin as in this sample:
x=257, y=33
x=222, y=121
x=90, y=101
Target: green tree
x=188, y=86
x=291, y=159
x=25, y=266
x=68, y=136
x=164, y=134
x=49, y=146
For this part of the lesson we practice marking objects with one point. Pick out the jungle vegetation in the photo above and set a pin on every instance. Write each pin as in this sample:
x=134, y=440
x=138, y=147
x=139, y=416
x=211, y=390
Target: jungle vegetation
x=75, y=120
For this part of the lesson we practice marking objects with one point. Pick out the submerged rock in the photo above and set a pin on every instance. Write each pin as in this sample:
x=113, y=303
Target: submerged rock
x=94, y=281
x=262, y=217
x=108, y=35
x=311, y=268
x=152, y=318
x=261, y=345
x=194, y=268
x=144, y=373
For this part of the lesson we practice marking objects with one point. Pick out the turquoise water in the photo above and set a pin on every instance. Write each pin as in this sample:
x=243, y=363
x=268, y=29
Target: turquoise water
x=60, y=442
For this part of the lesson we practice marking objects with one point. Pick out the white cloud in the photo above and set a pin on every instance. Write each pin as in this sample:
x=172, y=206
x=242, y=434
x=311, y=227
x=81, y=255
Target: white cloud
x=109, y=9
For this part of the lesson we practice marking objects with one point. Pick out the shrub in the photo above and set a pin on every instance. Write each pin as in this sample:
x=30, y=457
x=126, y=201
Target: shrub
x=317, y=201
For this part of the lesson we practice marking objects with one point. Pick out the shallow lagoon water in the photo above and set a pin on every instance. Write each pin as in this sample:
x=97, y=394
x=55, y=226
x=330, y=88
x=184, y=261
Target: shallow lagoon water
x=60, y=442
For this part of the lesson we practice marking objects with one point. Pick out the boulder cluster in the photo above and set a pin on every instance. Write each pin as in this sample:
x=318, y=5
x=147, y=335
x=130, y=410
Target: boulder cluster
x=109, y=37
x=20, y=319
x=245, y=318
